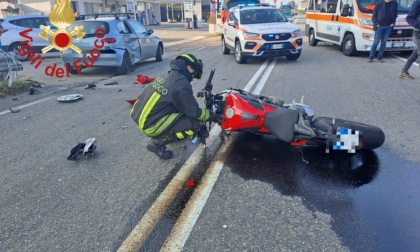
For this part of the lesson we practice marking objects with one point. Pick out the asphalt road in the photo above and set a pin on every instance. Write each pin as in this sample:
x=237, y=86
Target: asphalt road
x=266, y=198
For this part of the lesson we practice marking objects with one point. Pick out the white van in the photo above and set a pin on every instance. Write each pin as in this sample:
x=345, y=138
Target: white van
x=348, y=23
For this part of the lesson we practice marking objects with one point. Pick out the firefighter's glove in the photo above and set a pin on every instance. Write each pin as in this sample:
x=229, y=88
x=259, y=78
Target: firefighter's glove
x=215, y=117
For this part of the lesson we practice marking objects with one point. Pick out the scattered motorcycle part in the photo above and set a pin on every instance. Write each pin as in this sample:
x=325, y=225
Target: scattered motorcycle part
x=86, y=148
x=90, y=86
x=90, y=147
x=14, y=110
x=143, y=79
x=33, y=90
x=111, y=83
x=76, y=152
x=70, y=98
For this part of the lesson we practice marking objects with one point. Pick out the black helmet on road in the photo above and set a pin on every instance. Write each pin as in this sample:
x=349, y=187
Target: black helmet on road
x=195, y=63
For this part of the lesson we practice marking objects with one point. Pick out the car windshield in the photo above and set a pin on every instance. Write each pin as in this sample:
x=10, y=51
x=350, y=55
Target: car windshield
x=285, y=10
x=367, y=6
x=90, y=27
x=259, y=16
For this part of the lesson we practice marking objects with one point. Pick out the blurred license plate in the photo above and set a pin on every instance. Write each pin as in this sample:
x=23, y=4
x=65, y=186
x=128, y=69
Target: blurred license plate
x=347, y=139
x=398, y=44
x=278, y=46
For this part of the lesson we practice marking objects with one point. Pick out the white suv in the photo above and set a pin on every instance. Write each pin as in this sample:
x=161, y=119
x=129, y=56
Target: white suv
x=260, y=31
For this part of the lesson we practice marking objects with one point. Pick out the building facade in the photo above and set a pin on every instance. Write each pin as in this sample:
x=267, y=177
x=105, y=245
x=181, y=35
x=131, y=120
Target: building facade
x=156, y=11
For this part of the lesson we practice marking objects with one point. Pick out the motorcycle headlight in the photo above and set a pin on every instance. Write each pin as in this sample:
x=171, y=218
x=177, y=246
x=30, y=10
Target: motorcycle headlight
x=366, y=21
x=251, y=35
x=297, y=33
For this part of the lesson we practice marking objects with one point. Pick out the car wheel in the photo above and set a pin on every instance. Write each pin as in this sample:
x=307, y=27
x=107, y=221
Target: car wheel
x=71, y=69
x=293, y=56
x=312, y=40
x=240, y=58
x=349, y=45
x=225, y=50
x=126, y=65
x=15, y=49
x=159, y=54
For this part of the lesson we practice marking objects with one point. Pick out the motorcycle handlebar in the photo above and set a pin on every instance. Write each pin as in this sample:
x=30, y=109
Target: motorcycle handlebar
x=209, y=86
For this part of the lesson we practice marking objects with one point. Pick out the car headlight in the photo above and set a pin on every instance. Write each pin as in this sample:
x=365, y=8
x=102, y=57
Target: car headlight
x=251, y=35
x=297, y=33
x=366, y=21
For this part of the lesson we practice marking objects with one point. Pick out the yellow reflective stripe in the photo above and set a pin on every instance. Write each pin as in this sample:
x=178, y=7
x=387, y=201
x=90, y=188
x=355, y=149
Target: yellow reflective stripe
x=179, y=135
x=147, y=108
x=188, y=57
x=189, y=132
x=161, y=125
x=205, y=115
x=151, y=130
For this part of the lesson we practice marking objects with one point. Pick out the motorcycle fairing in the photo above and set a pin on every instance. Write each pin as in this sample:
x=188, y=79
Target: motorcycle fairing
x=280, y=123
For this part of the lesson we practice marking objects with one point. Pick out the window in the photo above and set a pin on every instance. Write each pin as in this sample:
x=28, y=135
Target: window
x=30, y=22
x=137, y=27
x=122, y=27
x=90, y=27
x=349, y=3
x=93, y=8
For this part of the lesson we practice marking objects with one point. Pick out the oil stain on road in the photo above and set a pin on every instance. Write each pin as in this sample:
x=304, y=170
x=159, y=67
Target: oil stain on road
x=373, y=197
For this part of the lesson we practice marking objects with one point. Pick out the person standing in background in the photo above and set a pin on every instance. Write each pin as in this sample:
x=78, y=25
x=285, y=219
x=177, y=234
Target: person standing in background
x=384, y=17
x=413, y=19
x=142, y=16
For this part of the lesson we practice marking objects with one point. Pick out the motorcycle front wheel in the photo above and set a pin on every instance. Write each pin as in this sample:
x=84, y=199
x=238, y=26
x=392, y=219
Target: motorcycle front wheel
x=373, y=137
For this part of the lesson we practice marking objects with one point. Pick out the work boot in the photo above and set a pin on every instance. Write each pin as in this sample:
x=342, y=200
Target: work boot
x=157, y=146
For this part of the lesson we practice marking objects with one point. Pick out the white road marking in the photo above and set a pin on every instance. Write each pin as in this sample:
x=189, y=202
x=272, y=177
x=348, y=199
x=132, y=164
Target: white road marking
x=254, y=78
x=143, y=229
x=264, y=78
x=183, y=41
x=189, y=216
x=25, y=105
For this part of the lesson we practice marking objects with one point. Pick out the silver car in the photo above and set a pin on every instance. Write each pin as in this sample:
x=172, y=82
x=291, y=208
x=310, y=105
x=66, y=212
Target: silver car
x=112, y=42
x=10, y=40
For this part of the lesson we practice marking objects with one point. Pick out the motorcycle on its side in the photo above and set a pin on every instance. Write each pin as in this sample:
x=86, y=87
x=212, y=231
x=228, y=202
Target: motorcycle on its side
x=241, y=111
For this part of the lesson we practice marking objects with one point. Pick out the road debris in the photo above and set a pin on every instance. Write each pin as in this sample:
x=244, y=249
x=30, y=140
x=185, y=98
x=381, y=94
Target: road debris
x=143, y=79
x=86, y=149
x=70, y=98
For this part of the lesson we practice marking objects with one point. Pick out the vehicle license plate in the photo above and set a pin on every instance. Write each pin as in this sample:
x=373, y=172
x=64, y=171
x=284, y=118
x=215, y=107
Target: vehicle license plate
x=278, y=46
x=398, y=44
x=347, y=139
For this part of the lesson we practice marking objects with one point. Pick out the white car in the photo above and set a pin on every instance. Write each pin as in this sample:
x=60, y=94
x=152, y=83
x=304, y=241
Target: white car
x=260, y=31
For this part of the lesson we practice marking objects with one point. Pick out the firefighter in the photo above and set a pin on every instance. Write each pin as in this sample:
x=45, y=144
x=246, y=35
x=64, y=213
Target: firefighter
x=167, y=110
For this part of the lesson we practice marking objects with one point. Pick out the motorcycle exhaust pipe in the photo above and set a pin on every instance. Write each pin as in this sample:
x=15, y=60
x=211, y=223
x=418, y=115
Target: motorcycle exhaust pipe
x=299, y=129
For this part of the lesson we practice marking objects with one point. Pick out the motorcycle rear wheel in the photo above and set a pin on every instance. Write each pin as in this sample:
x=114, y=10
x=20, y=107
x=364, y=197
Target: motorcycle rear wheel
x=373, y=137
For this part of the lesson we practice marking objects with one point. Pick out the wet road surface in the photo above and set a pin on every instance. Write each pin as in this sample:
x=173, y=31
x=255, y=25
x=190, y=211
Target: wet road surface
x=373, y=197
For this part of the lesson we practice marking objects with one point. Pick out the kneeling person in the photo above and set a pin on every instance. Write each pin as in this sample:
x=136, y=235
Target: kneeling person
x=167, y=110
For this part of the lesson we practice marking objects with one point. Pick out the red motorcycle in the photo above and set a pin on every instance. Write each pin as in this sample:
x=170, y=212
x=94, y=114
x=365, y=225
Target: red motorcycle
x=295, y=123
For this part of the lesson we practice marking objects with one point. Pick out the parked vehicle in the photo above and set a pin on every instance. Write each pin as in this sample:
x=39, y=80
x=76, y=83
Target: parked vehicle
x=348, y=23
x=286, y=10
x=10, y=40
x=294, y=123
x=125, y=43
x=229, y=4
x=260, y=31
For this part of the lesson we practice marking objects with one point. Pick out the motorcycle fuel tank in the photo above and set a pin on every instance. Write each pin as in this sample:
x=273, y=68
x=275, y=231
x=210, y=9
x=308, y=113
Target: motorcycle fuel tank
x=243, y=113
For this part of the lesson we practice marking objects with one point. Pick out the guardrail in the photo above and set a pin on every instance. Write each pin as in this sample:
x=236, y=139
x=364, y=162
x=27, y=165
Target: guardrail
x=9, y=65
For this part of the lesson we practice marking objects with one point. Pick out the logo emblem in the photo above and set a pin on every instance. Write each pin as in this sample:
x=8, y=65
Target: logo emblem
x=277, y=37
x=61, y=16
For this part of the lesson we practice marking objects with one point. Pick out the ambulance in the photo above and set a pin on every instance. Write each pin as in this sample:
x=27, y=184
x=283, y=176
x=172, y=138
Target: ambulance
x=348, y=23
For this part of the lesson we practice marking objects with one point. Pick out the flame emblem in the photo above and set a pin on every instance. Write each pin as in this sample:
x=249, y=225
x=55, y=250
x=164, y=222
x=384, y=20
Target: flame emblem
x=61, y=16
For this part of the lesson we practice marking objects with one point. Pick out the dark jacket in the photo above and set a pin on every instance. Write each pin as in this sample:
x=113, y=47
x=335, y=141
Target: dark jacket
x=165, y=100
x=413, y=18
x=379, y=13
